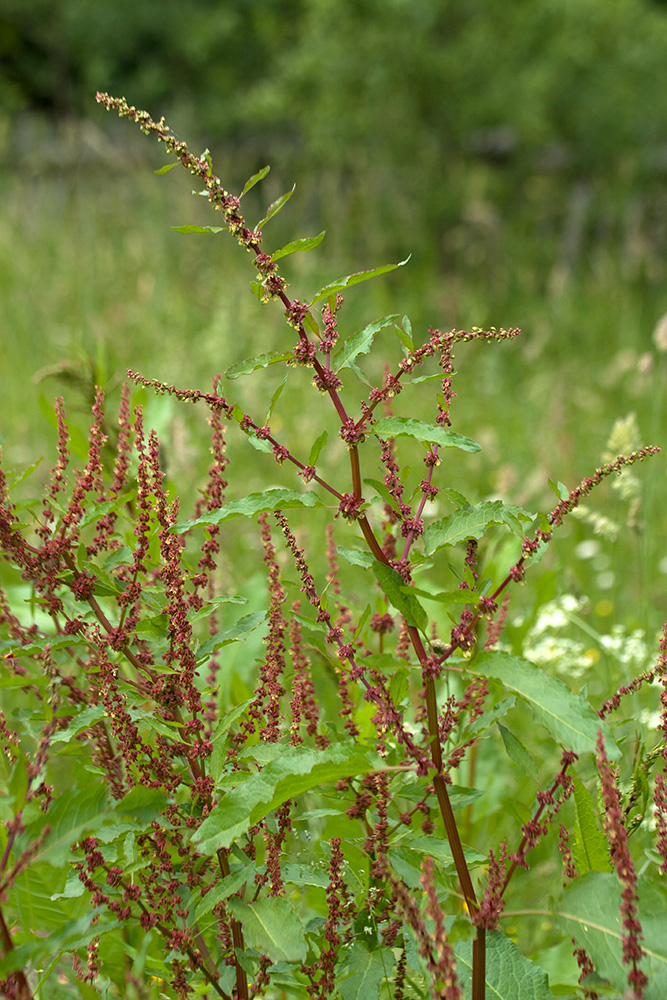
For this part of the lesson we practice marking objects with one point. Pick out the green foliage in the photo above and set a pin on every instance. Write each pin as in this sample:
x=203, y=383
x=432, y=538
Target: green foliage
x=316, y=795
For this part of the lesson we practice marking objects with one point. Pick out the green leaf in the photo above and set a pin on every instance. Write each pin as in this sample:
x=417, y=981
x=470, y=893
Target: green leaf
x=299, y=246
x=223, y=890
x=589, y=912
x=420, y=430
x=357, y=557
x=74, y=934
x=275, y=207
x=142, y=805
x=84, y=720
x=167, y=167
x=517, y=752
x=249, y=365
x=360, y=342
x=75, y=814
x=255, y=179
x=509, y=975
x=404, y=334
x=394, y=587
x=353, y=279
x=198, y=229
x=382, y=491
x=571, y=721
x=472, y=522
x=253, y=504
x=486, y=720
x=272, y=926
x=275, y=397
x=243, y=627
x=590, y=850
x=318, y=444
x=360, y=974
x=295, y=770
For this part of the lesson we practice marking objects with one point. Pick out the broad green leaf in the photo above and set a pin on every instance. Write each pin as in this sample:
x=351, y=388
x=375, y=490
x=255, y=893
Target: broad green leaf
x=296, y=770
x=255, y=179
x=472, y=522
x=571, y=721
x=360, y=974
x=167, y=167
x=590, y=850
x=253, y=504
x=223, y=890
x=74, y=934
x=142, y=805
x=275, y=207
x=318, y=444
x=420, y=430
x=84, y=720
x=559, y=489
x=353, y=279
x=272, y=926
x=357, y=557
x=252, y=364
x=517, y=752
x=360, y=342
x=589, y=912
x=394, y=587
x=243, y=627
x=198, y=229
x=76, y=814
x=299, y=246
x=509, y=975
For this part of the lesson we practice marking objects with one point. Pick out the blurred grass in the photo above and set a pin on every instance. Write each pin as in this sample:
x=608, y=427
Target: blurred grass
x=93, y=282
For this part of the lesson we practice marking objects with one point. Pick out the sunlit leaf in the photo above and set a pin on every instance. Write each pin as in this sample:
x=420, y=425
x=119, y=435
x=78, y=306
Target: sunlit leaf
x=472, y=522
x=253, y=504
x=571, y=721
x=255, y=179
x=299, y=246
x=275, y=207
x=249, y=365
x=295, y=770
x=420, y=430
x=198, y=229
x=353, y=279
x=360, y=342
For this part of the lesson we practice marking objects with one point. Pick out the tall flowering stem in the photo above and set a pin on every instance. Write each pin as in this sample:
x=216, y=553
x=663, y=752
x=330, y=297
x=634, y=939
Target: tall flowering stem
x=617, y=835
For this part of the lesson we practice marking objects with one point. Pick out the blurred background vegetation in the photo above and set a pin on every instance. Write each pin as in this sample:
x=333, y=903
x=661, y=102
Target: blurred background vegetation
x=517, y=151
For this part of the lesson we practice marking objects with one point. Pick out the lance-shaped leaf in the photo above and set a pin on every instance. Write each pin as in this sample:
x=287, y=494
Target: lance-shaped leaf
x=296, y=770
x=243, y=627
x=198, y=229
x=472, y=522
x=299, y=246
x=254, y=503
x=167, y=167
x=360, y=342
x=400, y=596
x=255, y=179
x=589, y=911
x=275, y=207
x=420, y=430
x=249, y=365
x=571, y=721
x=590, y=850
x=509, y=975
x=517, y=752
x=353, y=279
